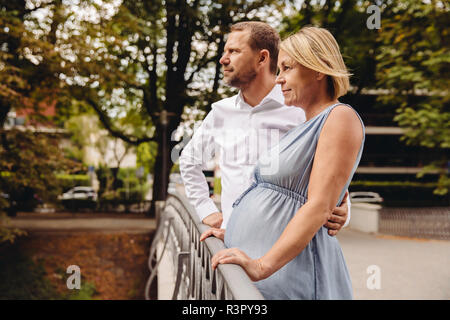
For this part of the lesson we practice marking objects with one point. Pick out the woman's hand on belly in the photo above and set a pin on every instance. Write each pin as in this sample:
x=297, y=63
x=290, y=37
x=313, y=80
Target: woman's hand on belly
x=254, y=268
x=215, y=232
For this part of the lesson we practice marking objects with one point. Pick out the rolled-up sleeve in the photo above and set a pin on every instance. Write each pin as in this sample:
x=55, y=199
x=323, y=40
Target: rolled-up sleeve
x=195, y=155
x=349, y=205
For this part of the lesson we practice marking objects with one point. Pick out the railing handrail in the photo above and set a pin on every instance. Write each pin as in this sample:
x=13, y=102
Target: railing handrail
x=178, y=231
x=237, y=280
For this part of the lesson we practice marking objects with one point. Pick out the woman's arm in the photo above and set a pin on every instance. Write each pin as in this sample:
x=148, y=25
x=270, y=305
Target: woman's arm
x=336, y=152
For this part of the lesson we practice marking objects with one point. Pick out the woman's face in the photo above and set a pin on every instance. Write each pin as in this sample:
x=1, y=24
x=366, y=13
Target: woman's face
x=298, y=83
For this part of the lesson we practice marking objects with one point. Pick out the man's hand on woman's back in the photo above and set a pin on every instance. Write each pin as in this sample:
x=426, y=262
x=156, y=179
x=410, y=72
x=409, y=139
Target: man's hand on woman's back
x=338, y=217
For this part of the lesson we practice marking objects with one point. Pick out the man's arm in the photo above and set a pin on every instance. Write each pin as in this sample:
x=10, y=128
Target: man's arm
x=194, y=156
x=340, y=217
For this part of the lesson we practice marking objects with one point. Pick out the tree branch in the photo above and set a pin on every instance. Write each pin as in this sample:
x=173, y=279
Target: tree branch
x=201, y=65
x=113, y=131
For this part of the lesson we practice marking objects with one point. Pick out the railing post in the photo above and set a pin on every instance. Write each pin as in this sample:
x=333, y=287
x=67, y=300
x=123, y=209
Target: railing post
x=181, y=257
x=159, y=208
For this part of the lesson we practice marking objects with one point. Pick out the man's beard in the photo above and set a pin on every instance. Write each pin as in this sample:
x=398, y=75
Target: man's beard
x=241, y=79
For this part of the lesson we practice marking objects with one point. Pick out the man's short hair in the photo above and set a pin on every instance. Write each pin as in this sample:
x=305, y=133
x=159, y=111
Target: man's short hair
x=262, y=36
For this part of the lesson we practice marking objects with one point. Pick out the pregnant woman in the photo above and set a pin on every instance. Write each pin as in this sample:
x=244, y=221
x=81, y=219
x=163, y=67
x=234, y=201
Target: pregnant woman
x=276, y=230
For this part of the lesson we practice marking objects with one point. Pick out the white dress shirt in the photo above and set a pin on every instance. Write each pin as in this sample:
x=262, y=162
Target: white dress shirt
x=238, y=134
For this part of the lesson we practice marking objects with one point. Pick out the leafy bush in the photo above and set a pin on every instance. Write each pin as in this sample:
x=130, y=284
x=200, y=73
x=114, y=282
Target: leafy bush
x=68, y=181
x=8, y=234
x=126, y=190
x=217, y=185
x=76, y=204
x=133, y=195
x=112, y=199
x=23, y=279
x=403, y=193
x=86, y=292
x=28, y=165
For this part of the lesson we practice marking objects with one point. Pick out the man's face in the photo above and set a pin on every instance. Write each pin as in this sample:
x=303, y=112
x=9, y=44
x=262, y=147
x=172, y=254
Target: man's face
x=239, y=60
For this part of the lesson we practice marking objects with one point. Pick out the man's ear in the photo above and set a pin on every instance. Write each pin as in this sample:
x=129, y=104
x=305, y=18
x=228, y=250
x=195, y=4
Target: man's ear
x=264, y=55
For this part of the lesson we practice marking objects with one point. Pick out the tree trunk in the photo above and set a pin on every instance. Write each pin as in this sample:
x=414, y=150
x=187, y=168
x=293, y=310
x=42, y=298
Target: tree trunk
x=4, y=110
x=163, y=163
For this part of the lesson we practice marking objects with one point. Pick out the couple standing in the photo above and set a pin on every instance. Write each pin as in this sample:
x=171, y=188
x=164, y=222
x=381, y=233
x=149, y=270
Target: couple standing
x=279, y=210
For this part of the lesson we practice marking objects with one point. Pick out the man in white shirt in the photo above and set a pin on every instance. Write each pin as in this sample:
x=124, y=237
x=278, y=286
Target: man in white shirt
x=241, y=128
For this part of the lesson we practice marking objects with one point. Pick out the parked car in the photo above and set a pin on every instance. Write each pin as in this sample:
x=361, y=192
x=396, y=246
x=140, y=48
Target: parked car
x=79, y=198
x=79, y=193
x=365, y=196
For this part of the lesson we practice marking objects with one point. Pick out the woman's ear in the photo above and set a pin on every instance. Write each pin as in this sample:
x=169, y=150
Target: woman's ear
x=320, y=76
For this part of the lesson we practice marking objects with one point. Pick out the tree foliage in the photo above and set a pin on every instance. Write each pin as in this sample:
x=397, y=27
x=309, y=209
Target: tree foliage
x=346, y=20
x=29, y=59
x=407, y=59
x=136, y=64
x=167, y=54
x=413, y=64
x=29, y=163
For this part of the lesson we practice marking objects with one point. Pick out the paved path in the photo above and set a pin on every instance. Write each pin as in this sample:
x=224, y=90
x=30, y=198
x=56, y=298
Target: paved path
x=409, y=268
x=63, y=223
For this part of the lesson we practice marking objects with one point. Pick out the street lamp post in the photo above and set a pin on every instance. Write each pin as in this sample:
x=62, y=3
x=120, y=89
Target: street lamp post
x=164, y=122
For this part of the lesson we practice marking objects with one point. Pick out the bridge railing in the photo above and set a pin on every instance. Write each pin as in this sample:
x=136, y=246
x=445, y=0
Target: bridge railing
x=177, y=241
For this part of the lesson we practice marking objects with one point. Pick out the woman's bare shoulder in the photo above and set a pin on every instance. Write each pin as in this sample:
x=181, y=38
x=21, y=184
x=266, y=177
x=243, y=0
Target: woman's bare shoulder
x=344, y=116
x=344, y=122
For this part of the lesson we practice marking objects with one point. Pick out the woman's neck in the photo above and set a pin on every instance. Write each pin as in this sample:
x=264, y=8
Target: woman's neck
x=313, y=109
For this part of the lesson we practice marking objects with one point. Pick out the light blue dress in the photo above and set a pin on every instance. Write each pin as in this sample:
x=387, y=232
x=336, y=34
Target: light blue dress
x=263, y=211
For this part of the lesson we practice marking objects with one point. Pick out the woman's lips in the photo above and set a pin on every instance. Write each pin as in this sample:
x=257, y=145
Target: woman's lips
x=285, y=91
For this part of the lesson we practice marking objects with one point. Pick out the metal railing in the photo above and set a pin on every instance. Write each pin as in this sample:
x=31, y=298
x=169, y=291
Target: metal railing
x=178, y=234
x=432, y=223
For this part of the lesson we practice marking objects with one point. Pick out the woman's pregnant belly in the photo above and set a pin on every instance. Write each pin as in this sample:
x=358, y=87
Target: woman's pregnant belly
x=258, y=220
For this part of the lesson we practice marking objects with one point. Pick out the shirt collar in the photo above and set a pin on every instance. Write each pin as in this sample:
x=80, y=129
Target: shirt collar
x=275, y=95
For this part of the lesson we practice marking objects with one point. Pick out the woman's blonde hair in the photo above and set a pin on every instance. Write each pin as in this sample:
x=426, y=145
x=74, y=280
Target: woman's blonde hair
x=316, y=49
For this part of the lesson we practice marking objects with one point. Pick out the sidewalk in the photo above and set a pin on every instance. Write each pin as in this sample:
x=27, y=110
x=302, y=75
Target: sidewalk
x=64, y=223
x=409, y=268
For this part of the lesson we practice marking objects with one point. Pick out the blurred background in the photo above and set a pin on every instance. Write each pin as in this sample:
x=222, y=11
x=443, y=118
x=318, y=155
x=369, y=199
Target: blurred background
x=96, y=96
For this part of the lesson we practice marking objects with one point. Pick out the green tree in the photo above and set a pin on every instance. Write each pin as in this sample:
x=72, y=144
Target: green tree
x=166, y=58
x=346, y=20
x=413, y=65
x=142, y=61
x=29, y=60
x=146, y=155
x=29, y=162
x=407, y=59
